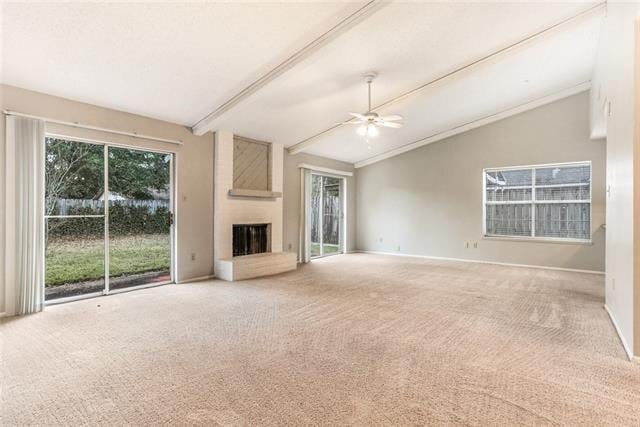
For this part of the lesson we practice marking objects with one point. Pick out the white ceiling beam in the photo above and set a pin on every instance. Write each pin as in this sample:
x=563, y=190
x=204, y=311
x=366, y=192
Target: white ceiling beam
x=208, y=123
x=466, y=68
x=548, y=99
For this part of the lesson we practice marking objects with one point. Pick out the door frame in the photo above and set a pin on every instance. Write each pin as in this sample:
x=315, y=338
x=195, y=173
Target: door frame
x=343, y=216
x=172, y=209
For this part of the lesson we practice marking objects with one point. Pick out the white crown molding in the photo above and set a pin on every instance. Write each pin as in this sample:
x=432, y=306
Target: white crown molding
x=470, y=66
x=548, y=99
x=208, y=123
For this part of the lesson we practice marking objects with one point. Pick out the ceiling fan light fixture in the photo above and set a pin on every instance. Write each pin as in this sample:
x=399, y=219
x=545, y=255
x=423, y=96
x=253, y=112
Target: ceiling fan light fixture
x=368, y=130
x=369, y=123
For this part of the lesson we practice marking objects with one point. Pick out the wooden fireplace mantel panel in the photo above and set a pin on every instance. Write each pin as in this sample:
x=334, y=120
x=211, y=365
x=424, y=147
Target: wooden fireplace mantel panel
x=257, y=265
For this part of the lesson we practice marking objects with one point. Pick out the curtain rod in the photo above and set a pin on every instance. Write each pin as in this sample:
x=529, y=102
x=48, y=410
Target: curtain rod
x=96, y=128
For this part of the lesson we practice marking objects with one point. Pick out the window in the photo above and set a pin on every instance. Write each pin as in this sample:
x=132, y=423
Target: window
x=547, y=202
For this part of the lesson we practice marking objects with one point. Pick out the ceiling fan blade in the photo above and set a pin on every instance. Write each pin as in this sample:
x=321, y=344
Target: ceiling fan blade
x=392, y=118
x=359, y=116
x=389, y=124
x=351, y=123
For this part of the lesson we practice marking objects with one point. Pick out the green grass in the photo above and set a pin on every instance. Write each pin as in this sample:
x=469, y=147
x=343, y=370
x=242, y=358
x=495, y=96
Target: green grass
x=328, y=249
x=81, y=259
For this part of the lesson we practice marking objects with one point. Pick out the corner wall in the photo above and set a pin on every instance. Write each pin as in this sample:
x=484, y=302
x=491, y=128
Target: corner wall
x=612, y=114
x=194, y=166
x=429, y=201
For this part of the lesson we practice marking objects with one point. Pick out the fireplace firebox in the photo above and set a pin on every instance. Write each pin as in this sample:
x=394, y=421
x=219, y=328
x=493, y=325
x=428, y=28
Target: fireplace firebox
x=249, y=239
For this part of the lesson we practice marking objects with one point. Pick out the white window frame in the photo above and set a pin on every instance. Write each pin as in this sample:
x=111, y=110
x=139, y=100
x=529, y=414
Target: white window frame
x=533, y=202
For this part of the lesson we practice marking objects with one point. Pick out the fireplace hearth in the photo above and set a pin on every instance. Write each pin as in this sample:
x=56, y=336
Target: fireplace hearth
x=249, y=239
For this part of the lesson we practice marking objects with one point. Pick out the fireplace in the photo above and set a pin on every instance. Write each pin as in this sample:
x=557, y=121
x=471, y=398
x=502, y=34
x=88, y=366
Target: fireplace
x=251, y=239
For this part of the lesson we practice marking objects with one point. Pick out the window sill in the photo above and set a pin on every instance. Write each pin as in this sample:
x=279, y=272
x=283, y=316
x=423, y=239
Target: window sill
x=540, y=240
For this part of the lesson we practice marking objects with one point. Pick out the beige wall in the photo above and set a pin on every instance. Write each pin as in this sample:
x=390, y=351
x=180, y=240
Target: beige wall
x=429, y=201
x=194, y=180
x=291, y=198
x=613, y=82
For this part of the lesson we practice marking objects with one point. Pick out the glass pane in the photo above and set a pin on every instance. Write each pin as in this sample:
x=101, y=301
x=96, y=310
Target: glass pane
x=74, y=176
x=316, y=185
x=508, y=178
x=508, y=220
x=563, y=175
x=563, y=220
x=74, y=186
x=139, y=218
x=564, y=183
x=74, y=257
x=331, y=215
x=507, y=186
x=581, y=192
x=501, y=194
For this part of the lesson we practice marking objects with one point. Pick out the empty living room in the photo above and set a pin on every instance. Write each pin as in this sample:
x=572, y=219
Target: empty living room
x=265, y=213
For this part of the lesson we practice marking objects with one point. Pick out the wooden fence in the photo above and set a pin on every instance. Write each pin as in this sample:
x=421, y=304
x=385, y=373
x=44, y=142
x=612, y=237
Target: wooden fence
x=65, y=206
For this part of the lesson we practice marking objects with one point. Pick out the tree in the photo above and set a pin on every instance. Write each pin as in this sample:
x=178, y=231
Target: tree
x=73, y=170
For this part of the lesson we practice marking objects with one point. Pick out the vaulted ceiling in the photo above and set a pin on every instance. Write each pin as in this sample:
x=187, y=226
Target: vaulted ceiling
x=441, y=65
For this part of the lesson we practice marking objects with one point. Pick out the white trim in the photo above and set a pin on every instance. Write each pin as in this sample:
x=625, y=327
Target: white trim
x=73, y=298
x=475, y=261
x=196, y=279
x=207, y=123
x=539, y=166
x=106, y=237
x=314, y=168
x=91, y=127
x=626, y=347
x=112, y=292
x=138, y=287
x=492, y=118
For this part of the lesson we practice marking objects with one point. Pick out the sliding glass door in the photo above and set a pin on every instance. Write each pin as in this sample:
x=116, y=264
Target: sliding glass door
x=93, y=247
x=327, y=206
x=139, y=218
x=74, y=219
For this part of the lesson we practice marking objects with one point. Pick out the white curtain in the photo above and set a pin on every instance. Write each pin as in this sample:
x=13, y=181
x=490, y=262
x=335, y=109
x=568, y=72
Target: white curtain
x=26, y=137
x=305, y=215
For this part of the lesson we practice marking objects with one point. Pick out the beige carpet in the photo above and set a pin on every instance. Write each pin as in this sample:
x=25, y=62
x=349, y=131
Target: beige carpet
x=355, y=339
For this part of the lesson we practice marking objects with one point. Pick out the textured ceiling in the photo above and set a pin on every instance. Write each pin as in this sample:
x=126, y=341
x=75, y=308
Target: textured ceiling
x=179, y=62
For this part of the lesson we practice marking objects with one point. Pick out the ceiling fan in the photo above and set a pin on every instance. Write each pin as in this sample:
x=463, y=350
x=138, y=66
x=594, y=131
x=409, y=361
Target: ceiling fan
x=370, y=121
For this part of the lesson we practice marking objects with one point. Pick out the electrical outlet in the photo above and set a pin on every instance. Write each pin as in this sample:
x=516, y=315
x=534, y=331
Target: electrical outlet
x=290, y=246
x=380, y=239
x=613, y=284
x=466, y=245
x=398, y=248
x=475, y=245
x=193, y=256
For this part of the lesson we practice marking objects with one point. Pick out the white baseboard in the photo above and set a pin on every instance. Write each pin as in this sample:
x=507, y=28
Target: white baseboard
x=543, y=267
x=197, y=279
x=3, y=314
x=626, y=347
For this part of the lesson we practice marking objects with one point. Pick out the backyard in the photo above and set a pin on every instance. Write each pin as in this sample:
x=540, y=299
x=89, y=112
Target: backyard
x=73, y=260
x=329, y=249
